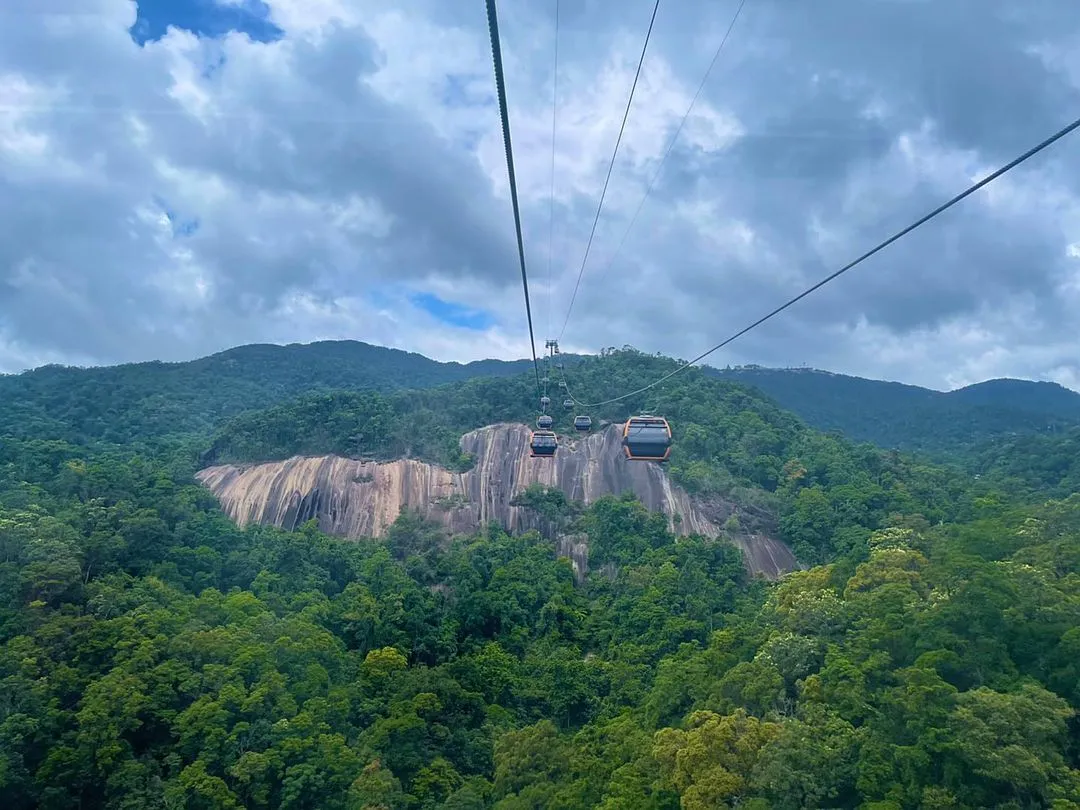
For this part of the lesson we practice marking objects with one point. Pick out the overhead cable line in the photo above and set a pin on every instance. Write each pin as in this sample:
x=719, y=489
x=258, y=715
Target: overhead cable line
x=1061, y=133
x=551, y=212
x=674, y=138
x=554, y=123
x=500, y=85
x=670, y=148
x=596, y=219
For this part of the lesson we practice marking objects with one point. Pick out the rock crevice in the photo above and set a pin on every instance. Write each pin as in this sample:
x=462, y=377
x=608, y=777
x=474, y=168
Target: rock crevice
x=353, y=499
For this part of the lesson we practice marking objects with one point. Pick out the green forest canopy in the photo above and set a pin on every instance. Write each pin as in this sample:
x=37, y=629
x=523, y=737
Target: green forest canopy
x=154, y=655
x=138, y=402
x=941, y=425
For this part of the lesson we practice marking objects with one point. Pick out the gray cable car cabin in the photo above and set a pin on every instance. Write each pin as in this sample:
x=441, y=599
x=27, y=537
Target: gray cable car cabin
x=545, y=401
x=582, y=422
x=568, y=404
x=647, y=438
x=543, y=444
x=544, y=422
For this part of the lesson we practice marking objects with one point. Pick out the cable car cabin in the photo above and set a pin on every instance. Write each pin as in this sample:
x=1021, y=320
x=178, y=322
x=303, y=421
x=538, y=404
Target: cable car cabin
x=568, y=404
x=543, y=444
x=582, y=422
x=545, y=401
x=647, y=438
x=544, y=422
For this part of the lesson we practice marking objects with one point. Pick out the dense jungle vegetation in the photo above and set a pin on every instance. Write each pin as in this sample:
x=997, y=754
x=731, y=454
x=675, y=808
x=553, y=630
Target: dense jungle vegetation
x=144, y=400
x=945, y=426
x=155, y=656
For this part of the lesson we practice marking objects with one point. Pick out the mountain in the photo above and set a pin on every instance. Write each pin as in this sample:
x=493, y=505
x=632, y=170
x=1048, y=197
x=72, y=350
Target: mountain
x=1048, y=398
x=159, y=399
x=145, y=403
x=907, y=417
x=156, y=399
x=154, y=653
x=357, y=499
x=731, y=442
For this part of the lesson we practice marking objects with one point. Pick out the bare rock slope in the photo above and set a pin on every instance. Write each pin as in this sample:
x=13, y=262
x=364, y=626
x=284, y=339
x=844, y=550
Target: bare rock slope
x=353, y=498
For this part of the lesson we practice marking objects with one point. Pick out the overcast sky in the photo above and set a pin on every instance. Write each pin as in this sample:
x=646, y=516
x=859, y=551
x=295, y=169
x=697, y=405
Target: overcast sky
x=188, y=175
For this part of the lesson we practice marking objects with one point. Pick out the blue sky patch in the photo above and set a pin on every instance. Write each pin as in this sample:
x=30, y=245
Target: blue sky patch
x=205, y=18
x=453, y=314
x=180, y=227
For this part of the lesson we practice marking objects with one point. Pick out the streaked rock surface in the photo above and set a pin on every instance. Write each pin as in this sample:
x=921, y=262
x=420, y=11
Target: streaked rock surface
x=354, y=499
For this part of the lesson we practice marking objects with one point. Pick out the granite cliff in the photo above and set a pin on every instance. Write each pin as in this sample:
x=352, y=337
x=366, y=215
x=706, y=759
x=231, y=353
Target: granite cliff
x=354, y=499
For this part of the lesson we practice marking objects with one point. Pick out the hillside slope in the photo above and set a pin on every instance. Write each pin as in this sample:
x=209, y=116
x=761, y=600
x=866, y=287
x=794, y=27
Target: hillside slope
x=907, y=417
x=146, y=400
x=1030, y=396
x=153, y=400
x=153, y=654
x=731, y=442
x=354, y=499
x=1034, y=466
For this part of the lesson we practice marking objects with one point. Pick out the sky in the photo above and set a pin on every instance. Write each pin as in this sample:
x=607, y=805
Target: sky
x=182, y=176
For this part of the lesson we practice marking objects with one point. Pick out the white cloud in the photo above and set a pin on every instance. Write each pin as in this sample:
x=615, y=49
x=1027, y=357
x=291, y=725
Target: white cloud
x=171, y=200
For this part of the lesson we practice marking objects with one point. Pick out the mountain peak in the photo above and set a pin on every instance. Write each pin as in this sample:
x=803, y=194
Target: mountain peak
x=1033, y=396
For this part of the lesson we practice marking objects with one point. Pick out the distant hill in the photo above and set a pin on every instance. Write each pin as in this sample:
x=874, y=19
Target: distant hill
x=1046, y=398
x=116, y=403
x=157, y=399
x=265, y=402
x=911, y=418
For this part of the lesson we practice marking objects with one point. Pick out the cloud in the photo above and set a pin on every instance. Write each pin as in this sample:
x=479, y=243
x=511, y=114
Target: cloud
x=181, y=176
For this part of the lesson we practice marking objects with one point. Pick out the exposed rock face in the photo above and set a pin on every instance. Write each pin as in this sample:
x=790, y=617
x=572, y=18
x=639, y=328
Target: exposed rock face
x=353, y=499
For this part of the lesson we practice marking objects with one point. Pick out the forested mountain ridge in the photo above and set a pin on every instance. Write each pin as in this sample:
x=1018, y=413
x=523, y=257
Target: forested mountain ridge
x=730, y=441
x=906, y=417
x=717, y=453
x=148, y=400
x=153, y=655
x=1048, y=398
